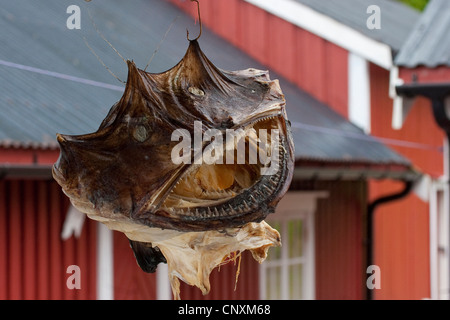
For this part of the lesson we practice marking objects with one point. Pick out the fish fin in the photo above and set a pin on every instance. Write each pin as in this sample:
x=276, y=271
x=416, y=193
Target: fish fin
x=147, y=257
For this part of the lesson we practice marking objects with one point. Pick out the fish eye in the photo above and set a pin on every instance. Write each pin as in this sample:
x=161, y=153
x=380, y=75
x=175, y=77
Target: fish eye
x=140, y=133
x=196, y=91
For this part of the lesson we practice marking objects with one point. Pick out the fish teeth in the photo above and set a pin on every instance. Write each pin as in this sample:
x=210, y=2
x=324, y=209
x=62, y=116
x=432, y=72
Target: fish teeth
x=218, y=193
x=267, y=188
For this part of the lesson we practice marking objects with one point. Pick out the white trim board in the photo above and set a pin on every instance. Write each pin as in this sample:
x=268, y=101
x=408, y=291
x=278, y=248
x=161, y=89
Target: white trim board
x=163, y=288
x=329, y=29
x=105, y=263
x=439, y=240
x=359, y=92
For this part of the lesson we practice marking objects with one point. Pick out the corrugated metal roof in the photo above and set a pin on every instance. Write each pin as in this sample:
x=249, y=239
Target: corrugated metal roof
x=40, y=97
x=429, y=41
x=397, y=19
x=320, y=134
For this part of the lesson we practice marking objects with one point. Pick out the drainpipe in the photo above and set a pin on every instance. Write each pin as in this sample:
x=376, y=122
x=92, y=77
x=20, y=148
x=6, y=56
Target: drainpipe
x=371, y=219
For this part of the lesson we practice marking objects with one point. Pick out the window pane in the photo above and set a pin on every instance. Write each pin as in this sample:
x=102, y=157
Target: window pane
x=284, y=270
x=295, y=282
x=295, y=234
x=273, y=288
x=274, y=253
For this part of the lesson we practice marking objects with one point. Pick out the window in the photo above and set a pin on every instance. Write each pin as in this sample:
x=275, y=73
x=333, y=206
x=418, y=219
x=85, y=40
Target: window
x=288, y=272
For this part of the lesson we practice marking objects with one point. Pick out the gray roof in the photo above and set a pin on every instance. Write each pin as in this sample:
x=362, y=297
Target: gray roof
x=397, y=19
x=322, y=135
x=429, y=41
x=52, y=83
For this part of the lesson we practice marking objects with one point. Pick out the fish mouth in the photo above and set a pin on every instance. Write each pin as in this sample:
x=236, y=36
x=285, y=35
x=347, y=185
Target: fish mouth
x=221, y=195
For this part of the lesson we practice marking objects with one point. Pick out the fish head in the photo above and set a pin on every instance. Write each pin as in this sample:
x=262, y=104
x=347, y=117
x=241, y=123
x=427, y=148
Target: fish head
x=194, y=148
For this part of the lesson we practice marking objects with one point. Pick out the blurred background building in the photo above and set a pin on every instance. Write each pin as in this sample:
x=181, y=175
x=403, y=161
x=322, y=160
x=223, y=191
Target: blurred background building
x=368, y=111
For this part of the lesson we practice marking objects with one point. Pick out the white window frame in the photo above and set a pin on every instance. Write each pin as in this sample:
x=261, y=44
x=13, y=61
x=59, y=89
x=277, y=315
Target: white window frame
x=295, y=205
x=439, y=224
x=439, y=241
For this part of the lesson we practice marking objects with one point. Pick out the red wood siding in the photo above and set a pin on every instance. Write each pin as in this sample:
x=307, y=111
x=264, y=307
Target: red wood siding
x=282, y=32
x=402, y=228
x=340, y=259
x=33, y=258
x=28, y=156
x=223, y=281
x=419, y=127
x=401, y=245
x=3, y=243
x=254, y=37
x=227, y=23
x=130, y=282
x=336, y=78
x=317, y=66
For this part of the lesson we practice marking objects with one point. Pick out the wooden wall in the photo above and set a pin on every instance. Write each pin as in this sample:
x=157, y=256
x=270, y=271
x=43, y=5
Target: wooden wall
x=33, y=258
x=402, y=228
x=340, y=240
x=130, y=282
x=223, y=282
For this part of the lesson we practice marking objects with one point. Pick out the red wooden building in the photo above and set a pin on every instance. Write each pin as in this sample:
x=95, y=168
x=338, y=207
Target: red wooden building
x=421, y=91
x=327, y=49
x=339, y=80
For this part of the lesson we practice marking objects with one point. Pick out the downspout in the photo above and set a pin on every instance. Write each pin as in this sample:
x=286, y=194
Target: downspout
x=408, y=185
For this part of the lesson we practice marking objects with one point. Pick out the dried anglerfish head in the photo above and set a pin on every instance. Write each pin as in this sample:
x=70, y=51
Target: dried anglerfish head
x=187, y=164
x=127, y=168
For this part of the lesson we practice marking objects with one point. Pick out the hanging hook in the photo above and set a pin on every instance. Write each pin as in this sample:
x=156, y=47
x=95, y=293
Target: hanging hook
x=199, y=21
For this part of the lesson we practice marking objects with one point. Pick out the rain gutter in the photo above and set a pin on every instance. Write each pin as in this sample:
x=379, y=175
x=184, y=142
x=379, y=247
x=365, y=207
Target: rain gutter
x=25, y=171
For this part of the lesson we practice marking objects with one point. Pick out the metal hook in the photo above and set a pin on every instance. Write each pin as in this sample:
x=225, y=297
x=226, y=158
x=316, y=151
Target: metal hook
x=199, y=21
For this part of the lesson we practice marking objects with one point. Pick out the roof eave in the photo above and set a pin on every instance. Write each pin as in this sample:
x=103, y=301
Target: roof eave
x=307, y=170
x=26, y=171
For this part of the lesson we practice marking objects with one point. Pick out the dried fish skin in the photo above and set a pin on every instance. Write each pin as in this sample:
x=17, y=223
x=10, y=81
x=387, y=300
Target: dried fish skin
x=124, y=167
x=191, y=215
